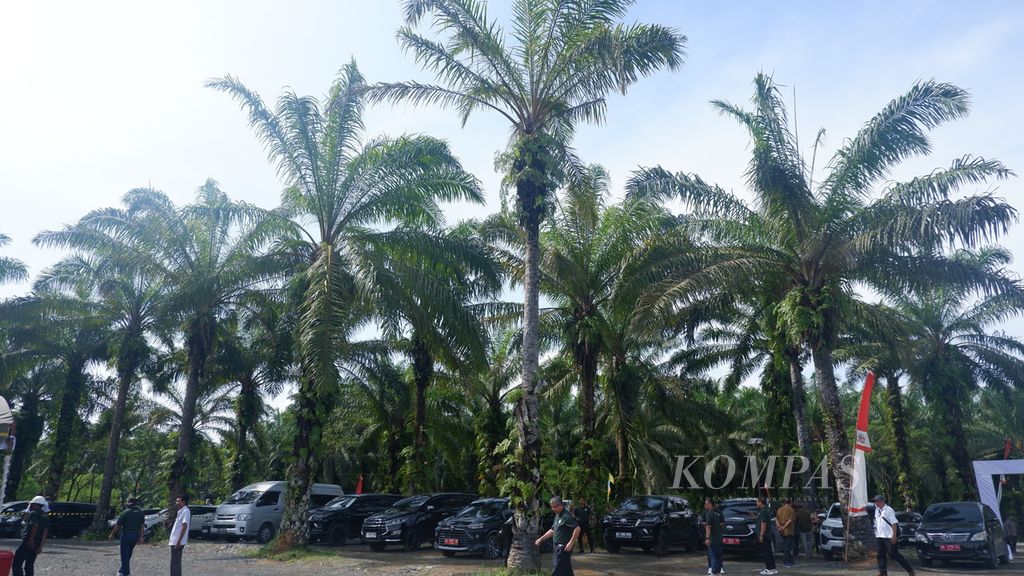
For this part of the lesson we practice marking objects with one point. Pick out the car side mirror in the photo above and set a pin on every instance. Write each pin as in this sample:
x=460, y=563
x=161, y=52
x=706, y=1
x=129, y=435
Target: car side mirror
x=431, y=508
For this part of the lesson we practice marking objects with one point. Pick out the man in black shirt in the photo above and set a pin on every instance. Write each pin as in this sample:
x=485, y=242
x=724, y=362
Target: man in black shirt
x=132, y=525
x=583, y=515
x=563, y=533
x=34, y=529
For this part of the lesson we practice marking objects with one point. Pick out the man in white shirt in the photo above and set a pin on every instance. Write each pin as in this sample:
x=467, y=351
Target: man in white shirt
x=887, y=537
x=179, y=533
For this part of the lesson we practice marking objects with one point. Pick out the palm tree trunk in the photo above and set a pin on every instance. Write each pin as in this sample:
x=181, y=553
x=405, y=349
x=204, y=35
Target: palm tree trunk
x=125, y=376
x=423, y=373
x=961, y=456
x=294, y=529
x=524, y=555
x=74, y=385
x=898, y=424
x=198, y=343
x=799, y=398
x=245, y=415
x=586, y=366
x=30, y=429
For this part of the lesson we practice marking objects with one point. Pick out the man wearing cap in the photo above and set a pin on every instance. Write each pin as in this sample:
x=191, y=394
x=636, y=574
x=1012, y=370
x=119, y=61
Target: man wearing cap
x=34, y=529
x=563, y=533
x=132, y=525
x=886, y=535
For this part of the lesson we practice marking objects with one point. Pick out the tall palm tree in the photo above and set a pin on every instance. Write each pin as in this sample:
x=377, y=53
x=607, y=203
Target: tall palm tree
x=365, y=221
x=11, y=269
x=564, y=59
x=32, y=390
x=204, y=256
x=817, y=236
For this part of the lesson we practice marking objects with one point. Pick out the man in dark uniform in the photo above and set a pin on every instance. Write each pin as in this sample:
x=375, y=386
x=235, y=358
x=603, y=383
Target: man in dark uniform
x=713, y=536
x=764, y=537
x=132, y=525
x=34, y=529
x=583, y=515
x=563, y=533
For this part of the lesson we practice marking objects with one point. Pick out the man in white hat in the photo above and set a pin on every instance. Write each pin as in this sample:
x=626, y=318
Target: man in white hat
x=34, y=529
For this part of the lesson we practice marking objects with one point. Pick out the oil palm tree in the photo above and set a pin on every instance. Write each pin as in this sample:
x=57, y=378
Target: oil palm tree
x=365, y=228
x=11, y=269
x=817, y=236
x=562, y=60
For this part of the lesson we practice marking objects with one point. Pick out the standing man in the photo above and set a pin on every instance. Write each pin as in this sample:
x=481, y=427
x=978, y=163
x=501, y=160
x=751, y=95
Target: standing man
x=713, y=536
x=785, y=521
x=132, y=525
x=563, y=533
x=804, y=527
x=583, y=517
x=764, y=537
x=34, y=530
x=1010, y=527
x=179, y=533
x=886, y=536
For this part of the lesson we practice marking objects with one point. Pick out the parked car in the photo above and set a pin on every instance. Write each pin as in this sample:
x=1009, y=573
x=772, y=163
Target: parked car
x=202, y=520
x=10, y=518
x=342, y=518
x=254, y=512
x=961, y=531
x=739, y=535
x=652, y=523
x=908, y=522
x=411, y=521
x=833, y=531
x=69, y=519
x=476, y=529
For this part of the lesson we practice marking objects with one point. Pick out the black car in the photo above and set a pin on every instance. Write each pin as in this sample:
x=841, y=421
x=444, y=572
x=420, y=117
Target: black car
x=411, y=521
x=961, y=531
x=907, y=524
x=342, y=517
x=652, y=523
x=476, y=529
x=69, y=519
x=10, y=518
x=739, y=534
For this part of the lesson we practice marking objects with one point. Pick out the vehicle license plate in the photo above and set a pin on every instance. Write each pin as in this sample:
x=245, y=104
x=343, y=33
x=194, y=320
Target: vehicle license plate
x=371, y=534
x=734, y=541
x=220, y=530
x=451, y=541
x=949, y=547
x=626, y=535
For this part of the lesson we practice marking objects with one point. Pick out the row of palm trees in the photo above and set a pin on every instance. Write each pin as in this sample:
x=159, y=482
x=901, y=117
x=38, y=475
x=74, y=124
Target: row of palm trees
x=642, y=305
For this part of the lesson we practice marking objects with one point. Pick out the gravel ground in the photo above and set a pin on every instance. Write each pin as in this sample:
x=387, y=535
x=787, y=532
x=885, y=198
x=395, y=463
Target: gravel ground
x=72, y=557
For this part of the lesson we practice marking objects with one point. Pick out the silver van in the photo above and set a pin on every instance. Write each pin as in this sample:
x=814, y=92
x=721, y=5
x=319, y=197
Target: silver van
x=254, y=512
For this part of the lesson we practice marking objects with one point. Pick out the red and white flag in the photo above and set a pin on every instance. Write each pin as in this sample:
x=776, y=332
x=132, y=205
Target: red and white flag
x=859, y=477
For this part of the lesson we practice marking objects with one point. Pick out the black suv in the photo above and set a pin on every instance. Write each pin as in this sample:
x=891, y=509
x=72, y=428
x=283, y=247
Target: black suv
x=652, y=523
x=10, y=518
x=907, y=524
x=961, y=531
x=476, y=529
x=740, y=531
x=69, y=519
x=342, y=518
x=412, y=520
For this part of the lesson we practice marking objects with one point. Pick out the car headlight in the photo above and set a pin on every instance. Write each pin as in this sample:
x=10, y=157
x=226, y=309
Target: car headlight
x=243, y=517
x=979, y=537
x=921, y=537
x=647, y=521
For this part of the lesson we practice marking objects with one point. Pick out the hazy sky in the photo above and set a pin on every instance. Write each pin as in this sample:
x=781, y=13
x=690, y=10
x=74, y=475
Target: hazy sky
x=100, y=97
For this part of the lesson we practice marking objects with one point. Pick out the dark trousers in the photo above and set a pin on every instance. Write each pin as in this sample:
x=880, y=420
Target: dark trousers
x=128, y=542
x=24, y=561
x=768, y=552
x=886, y=550
x=788, y=546
x=585, y=531
x=561, y=562
x=715, y=558
x=176, y=560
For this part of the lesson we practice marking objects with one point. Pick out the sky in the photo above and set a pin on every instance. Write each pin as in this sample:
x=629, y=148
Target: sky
x=100, y=97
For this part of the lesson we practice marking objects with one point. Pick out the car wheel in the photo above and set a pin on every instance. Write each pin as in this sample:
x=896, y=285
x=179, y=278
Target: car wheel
x=411, y=540
x=826, y=553
x=493, y=549
x=611, y=547
x=992, y=561
x=661, y=543
x=377, y=546
x=337, y=535
x=265, y=533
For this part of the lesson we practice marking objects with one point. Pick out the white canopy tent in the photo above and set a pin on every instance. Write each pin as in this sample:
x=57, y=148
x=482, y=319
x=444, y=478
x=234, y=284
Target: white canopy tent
x=988, y=474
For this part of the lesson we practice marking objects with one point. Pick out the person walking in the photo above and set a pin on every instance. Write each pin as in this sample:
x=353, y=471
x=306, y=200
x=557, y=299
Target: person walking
x=886, y=536
x=713, y=536
x=131, y=524
x=563, y=534
x=804, y=528
x=1010, y=527
x=785, y=521
x=764, y=537
x=34, y=530
x=584, y=517
x=179, y=533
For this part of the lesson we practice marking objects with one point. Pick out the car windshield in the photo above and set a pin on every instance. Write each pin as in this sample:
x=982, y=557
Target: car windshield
x=643, y=504
x=739, y=509
x=244, y=497
x=12, y=508
x=482, y=509
x=952, y=514
x=339, y=503
x=408, y=504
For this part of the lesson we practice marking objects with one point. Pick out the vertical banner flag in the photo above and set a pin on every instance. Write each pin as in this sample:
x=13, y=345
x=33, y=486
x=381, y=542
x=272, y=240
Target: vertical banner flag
x=611, y=480
x=859, y=479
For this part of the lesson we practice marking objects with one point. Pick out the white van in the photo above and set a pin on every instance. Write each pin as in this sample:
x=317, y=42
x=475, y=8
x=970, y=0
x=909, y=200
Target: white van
x=255, y=511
